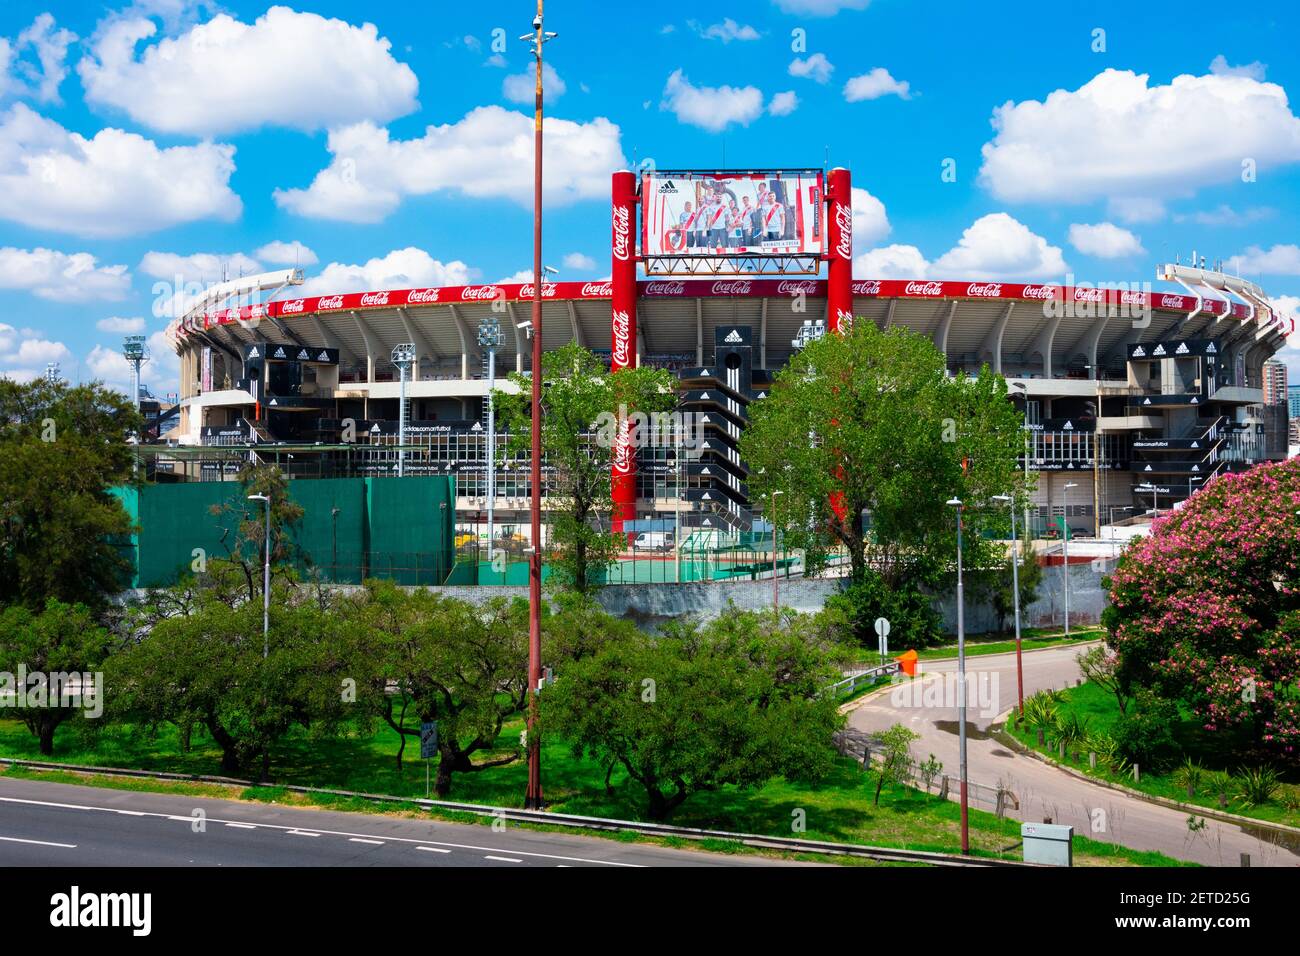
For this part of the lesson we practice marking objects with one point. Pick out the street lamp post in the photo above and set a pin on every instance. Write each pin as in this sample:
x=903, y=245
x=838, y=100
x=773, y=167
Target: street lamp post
x=961, y=684
x=776, y=604
x=533, y=794
x=266, y=577
x=1065, y=553
x=1015, y=588
x=403, y=357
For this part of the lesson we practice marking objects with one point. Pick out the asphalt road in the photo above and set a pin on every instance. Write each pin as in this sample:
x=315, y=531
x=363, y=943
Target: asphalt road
x=56, y=824
x=1045, y=791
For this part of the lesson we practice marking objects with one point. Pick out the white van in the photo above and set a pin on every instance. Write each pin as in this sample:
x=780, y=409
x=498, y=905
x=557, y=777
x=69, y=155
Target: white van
x=653, y=541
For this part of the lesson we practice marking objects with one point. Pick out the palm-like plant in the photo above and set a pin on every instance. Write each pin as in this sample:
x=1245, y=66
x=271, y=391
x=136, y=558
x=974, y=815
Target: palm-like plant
x=1220, y=783
x=1069, y=730
x=1257, y=785
x=1189, y=776
x=1040, y=713
x=1107, y=750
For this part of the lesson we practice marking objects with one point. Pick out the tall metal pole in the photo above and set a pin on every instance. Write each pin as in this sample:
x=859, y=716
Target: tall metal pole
x=1065, y=555
x=1015, y=587
x=266, y=586
x=401, y=422
x=533, y=795
x=776, y=603
x=491, y=487
x=961, y=687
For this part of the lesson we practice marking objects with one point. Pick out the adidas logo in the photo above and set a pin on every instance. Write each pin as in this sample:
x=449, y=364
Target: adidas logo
x=279, y=353
x=733, y=338
x=1210, y=348
x=1139, y=352
x=303, y=355
x=1158, y=350
x=1182, y=349
x=254, y=353
x=323, y=357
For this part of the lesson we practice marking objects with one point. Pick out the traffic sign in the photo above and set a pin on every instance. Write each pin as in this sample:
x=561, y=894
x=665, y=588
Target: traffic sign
x=428, y=740
x=882, y=632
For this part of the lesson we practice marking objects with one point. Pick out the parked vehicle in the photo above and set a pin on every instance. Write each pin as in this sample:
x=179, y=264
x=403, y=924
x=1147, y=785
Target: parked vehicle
x=653, y=541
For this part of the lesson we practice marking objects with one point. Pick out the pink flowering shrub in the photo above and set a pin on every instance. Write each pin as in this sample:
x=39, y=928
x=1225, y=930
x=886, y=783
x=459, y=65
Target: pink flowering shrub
x=1207, y=608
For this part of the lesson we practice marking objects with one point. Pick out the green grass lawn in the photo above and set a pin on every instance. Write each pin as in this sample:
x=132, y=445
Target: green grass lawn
x=1213, y=750
x=838, y=808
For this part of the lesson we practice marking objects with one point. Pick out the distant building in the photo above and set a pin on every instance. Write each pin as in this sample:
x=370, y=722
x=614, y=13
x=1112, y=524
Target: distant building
x=1275, y=387
x=1293, y=401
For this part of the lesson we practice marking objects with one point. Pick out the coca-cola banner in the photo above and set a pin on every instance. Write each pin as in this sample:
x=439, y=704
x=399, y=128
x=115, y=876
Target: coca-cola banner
x=623, y=291
x=433, y=298
x=839, y=250
x=724, y=214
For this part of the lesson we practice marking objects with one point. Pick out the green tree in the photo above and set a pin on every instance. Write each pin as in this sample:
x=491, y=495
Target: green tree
x=205, y=668
x=60, y=639
x=890, y=438
x=895, y=764
x=243, y=526
x=581, y=398
x=1003, y=591
x=60, y=528
x=735, y=702
x=446, y=660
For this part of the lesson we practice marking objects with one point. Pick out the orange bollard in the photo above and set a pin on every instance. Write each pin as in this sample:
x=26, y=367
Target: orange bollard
x=908, y=662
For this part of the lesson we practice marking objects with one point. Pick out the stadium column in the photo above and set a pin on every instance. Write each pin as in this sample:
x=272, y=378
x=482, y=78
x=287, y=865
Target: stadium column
x=839, y=249
x=623, y=337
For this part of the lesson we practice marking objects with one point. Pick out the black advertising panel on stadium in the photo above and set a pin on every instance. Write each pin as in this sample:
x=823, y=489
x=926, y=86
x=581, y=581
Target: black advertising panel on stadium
x=694, y=213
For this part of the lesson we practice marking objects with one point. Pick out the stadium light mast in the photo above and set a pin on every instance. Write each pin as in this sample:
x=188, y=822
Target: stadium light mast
x=403, y=358
x=533, y=795
x=490, y=339
x=134, y=352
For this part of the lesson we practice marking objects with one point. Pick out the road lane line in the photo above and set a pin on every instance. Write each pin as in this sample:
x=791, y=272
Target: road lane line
x=66, y=846
x=502, y=859
x=302, y=833
x=363, y=840
x=242, y=826
x=344, y=833
x=433, y=849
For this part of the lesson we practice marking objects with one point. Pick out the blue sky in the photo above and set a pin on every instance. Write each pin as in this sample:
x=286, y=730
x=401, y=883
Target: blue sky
x=166, y=137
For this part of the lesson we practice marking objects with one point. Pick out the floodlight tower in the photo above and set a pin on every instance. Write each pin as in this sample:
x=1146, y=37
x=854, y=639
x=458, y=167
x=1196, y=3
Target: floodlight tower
x=490, y=339
x=53, y=374
x=403, y=358
x=135, y=353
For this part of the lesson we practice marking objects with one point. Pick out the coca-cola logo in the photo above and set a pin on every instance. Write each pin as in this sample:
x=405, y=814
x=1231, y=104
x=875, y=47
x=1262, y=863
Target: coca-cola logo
x=845, y=320
x=597, y=290
x=1131, y=298
x=732, y=288
x=923, y=288
x=230, y=315
x=623, y=449
x=1171, y=301
x=665, y=288
x=805, y=287
x=844, y=220
x=421, y=296
x=621, y=327
x=867, y=287
x=984, y=290
x=526, y=290
x=375, y=298
x=622, y=233
x=330, y=302
x=1043, y=292
x=471, y=292
x=1089, y=295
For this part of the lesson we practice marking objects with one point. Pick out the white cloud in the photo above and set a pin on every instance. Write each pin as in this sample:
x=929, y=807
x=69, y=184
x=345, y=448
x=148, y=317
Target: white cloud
x=815, y=67
x=870, y=222
x=286, y=254
x=1280, y=260
x=292, y=69
x=726, y=31
x=6, y=55
x=120, y=326
x=523, y=275
x=202, y=267
x=708, y=107
x=408, y=268
x=579, y=261
x=62, y=277
x=820, y=8
x=1135, y=209
x=522, y=87
x=24, y=354
x=51, y=48
x=1117, y=137
x=1225, y=215
x=873, y=85
x=486, y=155
x=1104, y=240
x=891, y=262
x=1000, y=247
x=1219, y=67
x=115, y=184
x=783, y=104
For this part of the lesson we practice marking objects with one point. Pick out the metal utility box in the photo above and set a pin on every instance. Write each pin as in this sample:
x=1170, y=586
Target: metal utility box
x=1048, y=843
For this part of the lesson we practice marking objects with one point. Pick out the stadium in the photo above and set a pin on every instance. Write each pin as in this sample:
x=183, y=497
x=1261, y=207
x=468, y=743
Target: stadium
x=1133, y=396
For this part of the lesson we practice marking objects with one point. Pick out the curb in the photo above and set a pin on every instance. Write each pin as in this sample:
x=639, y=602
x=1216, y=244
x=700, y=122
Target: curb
x=1223, y=816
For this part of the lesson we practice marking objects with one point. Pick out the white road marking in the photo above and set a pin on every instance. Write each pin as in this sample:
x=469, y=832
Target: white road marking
x=343, y=833
x=66, y=846
x=502, y=859
x=302, y=833
x=243, y=826
x=363, y=840
x=433, y=849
